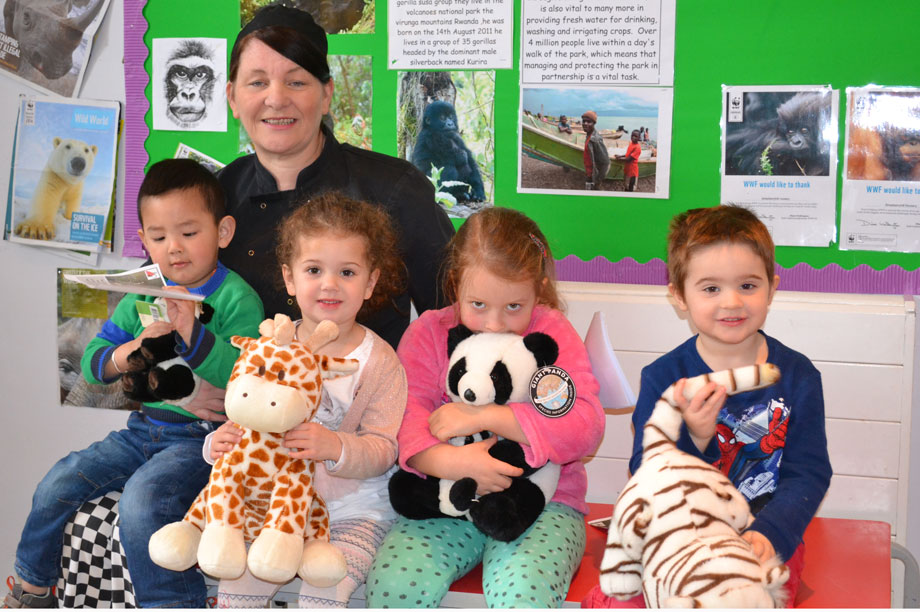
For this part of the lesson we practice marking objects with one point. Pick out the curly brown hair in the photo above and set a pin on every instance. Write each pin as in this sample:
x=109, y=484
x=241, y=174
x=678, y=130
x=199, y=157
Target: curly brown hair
x=335, y=213
x=507, y=243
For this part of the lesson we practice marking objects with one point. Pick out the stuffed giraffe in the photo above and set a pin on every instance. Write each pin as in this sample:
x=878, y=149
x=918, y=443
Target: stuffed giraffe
x=257, y=493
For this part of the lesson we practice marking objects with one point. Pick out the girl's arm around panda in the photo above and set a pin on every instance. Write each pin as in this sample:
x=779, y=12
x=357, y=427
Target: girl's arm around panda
x=578, y=432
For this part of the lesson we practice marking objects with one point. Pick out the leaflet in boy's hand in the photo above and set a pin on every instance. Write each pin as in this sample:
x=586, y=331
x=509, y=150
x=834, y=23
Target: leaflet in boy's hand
x=146, y=280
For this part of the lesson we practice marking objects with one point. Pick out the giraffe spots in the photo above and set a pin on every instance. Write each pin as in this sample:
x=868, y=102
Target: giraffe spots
x=300, y=520
x=309, y=385
x=217, y=511
x=244, y=442
x=260, y=454
x=196, y=513
x=280, y=460
x=297, y=492
x=255, y=436
x=234, y=502
x=255, y=471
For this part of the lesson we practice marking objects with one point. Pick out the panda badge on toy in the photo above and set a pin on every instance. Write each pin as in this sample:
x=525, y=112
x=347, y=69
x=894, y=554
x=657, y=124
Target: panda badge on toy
x=483, y=369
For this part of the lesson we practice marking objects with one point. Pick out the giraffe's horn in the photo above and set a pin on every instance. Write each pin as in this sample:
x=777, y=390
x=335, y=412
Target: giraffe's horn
x=325, y=332
x=281, y=329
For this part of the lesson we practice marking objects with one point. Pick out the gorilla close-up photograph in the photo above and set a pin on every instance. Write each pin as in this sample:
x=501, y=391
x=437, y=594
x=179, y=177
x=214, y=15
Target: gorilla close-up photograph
x=446, y=131
x=782, y=134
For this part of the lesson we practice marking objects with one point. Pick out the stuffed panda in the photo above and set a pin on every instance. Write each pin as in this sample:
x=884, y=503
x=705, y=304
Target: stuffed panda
x=486, y=368
x=156, y=373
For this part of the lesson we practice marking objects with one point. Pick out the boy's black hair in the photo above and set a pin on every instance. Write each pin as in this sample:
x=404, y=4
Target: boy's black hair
x=178, y=174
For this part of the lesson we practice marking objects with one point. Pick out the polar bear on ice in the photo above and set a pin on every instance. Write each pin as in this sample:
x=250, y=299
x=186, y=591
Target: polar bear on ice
x=61, y=183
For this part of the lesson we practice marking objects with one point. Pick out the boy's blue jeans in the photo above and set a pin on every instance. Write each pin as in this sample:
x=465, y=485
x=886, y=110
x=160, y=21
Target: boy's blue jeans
x=161, y=470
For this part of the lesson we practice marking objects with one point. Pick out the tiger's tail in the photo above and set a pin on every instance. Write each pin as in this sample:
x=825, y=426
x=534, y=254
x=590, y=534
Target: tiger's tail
x=663, y=426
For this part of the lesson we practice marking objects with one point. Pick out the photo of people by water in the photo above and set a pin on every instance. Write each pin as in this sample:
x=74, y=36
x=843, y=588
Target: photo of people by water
x=592, y=140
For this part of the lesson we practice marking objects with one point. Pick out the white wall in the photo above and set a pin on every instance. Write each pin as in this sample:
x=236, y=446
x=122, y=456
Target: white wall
x=37, y=431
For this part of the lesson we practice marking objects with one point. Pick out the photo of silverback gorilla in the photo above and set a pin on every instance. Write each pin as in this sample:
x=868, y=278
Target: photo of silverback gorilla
x=782, y=134
x=440, y=144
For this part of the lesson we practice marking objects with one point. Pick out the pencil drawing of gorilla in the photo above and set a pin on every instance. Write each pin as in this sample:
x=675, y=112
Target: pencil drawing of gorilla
x=440, y=144
x=189, y=83
x=47, y=36
x=781, y=137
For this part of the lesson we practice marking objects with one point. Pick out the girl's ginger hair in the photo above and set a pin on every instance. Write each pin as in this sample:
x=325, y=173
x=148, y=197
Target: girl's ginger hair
x=337, y=214
x=508, y=244
x=698, y=228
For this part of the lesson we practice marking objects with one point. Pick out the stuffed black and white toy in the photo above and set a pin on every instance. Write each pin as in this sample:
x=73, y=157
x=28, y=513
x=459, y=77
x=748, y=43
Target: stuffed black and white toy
x=157, y=374
x=486, y=368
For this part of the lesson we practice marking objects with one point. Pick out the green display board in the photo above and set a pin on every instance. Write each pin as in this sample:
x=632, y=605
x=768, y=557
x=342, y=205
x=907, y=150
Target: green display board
x=838, y=42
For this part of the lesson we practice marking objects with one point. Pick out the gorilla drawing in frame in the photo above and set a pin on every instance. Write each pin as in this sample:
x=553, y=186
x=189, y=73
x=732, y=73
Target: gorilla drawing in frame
x=783, y=134
x=190, y=77
x=440, y=145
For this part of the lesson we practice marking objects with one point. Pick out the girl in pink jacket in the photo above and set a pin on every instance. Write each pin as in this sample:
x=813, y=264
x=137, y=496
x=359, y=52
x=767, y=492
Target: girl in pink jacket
x=499, y=279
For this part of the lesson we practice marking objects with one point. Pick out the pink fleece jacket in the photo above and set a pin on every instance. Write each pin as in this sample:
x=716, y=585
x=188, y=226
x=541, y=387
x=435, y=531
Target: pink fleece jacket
x=565, y=440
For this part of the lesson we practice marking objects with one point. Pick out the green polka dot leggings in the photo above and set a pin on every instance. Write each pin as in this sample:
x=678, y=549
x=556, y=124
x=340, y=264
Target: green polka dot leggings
x=419, y=560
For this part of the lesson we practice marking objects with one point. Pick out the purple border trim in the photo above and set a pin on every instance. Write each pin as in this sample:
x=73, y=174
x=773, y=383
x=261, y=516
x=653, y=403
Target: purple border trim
x=136, y=107
x=893, y=280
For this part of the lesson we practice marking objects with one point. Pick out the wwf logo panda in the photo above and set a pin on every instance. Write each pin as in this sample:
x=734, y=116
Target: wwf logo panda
x=486, y=368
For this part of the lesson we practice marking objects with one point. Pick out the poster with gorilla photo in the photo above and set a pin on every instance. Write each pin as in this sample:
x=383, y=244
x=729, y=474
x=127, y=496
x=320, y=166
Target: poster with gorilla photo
x=880, y=208
x=46, y=43
x=779, y=158
x=189, y=84
x=446, y=129
x=81, y=314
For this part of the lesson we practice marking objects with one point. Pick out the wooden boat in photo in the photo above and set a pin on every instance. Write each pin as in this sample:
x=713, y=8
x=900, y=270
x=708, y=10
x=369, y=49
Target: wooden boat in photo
x=542, y=140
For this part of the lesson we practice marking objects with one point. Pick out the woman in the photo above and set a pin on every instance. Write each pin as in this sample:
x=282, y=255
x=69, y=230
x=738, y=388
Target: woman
x=279, y=87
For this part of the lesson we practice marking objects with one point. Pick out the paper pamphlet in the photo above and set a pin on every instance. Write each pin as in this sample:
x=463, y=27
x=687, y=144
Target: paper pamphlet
x=615, y=391
x=146, y=280
x=63, y=175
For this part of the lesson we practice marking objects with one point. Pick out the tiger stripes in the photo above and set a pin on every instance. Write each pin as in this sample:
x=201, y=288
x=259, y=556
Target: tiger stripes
x=674, y=535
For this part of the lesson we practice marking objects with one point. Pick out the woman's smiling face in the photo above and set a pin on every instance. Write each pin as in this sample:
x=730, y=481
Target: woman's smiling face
x=279, y=103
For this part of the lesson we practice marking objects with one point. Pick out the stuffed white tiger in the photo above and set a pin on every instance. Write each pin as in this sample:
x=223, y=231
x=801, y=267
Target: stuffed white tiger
x=676, y=524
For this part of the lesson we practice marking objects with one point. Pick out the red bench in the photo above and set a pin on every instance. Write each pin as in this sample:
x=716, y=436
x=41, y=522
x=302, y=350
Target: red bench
x=847, y=565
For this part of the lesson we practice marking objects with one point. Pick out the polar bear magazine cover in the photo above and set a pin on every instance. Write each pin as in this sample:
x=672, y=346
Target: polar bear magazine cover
x=64, y=173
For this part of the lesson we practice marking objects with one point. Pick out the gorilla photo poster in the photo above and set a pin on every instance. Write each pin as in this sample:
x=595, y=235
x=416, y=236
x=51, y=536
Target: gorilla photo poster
x=189, y=84
x=779, y=158
x=64, y=173
x=880, y=209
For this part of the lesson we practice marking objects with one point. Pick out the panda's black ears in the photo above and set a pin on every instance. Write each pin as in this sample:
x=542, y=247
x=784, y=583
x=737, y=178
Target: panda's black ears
x=207, y=311
x=455, y=336
x=544, y=348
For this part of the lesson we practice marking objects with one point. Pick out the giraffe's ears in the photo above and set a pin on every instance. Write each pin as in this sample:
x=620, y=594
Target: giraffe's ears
x=241, y=342
x=333, y=367
x=325, y=332
x=281, y=329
